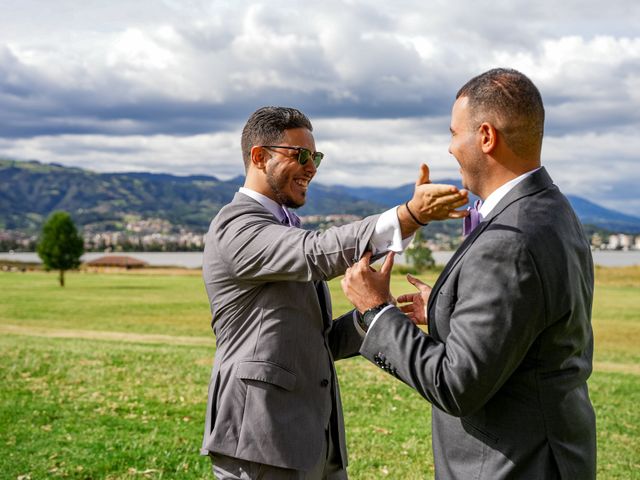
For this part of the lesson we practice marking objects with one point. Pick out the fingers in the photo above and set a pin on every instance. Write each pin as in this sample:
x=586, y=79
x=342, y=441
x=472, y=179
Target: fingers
x=458, y=213
x=423, y=176
x=438, y=202
x=454, y=198
x=388, y=264
x=408, y=309
x=441, y=190
x=416, y=282
x=406, y=298
x=364, y=262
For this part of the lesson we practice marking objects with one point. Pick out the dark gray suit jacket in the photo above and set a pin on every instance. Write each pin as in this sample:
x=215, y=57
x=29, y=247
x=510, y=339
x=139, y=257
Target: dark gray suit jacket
x=273, y=384
x=510, y=345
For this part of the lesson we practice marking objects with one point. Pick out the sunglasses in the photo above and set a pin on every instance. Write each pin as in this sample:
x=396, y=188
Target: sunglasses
x=304, y=154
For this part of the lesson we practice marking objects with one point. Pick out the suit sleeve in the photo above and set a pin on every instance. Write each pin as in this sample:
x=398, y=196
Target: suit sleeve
x=254, y=248
x=495, y=309
x=344, y=338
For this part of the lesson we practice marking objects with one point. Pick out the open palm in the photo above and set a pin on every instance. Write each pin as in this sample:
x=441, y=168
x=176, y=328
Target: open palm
x=416, y=303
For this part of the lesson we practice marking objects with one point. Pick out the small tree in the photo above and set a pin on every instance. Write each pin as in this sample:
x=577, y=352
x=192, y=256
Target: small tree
x=60, y=246
x=418, y=254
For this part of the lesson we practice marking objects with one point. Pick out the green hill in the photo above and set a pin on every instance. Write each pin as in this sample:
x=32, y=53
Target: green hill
x=30, y=191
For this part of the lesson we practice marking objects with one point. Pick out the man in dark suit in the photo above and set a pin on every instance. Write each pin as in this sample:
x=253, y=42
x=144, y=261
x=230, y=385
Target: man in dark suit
x=274, y=406
x=509, y=350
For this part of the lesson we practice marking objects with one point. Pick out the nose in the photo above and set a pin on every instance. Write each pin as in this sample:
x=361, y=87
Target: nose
x=310, y=167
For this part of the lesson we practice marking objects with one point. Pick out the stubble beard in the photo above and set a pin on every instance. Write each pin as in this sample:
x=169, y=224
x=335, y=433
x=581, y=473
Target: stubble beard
x=277, y=186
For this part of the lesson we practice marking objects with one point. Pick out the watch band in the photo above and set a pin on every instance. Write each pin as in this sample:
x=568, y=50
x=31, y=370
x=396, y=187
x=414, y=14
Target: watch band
x=370, y=314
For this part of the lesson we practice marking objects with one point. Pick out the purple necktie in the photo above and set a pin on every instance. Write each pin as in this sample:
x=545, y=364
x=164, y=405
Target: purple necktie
x=290, y=218
x=474, y=218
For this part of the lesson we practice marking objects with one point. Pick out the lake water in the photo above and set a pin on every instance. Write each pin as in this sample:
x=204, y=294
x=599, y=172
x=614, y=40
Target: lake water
x=613, y=258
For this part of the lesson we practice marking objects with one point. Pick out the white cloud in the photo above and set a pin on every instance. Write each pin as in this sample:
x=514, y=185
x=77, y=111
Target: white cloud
x=211, y=154
x=167, y=85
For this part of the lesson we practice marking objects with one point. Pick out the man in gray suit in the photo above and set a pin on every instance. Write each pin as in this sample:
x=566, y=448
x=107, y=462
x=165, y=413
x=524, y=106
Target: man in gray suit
x=274, y=407
x=509, y=350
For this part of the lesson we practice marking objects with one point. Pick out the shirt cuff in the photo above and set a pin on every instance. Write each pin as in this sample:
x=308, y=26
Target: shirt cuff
x=375, y=319
x=359, y=329
x=387, y=235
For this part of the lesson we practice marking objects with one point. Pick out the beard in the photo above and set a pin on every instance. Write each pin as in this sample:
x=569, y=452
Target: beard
x=278, y=185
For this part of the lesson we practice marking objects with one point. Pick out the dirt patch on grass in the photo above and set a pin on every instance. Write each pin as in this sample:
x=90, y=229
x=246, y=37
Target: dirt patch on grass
x=98, y=335
x=631, y=368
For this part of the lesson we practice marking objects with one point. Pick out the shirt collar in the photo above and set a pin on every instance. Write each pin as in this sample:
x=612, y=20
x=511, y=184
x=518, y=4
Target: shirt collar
x=271, y=205
x=492, y=200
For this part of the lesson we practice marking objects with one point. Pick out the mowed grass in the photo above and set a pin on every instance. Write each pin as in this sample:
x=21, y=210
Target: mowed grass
x=107, y=379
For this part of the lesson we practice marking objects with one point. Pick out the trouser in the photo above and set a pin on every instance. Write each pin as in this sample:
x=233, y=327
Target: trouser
x=326, y=468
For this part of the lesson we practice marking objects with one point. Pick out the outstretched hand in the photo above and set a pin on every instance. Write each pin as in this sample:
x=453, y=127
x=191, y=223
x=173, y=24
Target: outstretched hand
x=432, y=201
x=364, y=286
x=416, y=303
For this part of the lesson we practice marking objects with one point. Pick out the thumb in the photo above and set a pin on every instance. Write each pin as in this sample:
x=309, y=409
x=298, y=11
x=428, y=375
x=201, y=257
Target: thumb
x=416, y=282
x=424, y=175
x=388, y=264
x=365, y=260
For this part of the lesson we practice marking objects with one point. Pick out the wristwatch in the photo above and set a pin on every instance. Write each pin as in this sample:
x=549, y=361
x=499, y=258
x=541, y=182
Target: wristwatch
x=365, y=319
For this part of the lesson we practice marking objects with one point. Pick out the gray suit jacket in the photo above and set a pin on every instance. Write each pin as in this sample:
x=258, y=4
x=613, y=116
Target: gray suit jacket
x=510, y=345
x=273, y=385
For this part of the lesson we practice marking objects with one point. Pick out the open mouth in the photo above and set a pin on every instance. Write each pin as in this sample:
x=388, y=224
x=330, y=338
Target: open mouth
x=302, y=183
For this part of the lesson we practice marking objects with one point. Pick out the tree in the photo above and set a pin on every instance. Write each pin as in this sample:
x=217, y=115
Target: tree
x=418, y=254
x=60, y=246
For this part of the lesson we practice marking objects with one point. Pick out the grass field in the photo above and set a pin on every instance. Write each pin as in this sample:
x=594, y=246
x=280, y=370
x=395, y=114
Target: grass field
x=107, y=379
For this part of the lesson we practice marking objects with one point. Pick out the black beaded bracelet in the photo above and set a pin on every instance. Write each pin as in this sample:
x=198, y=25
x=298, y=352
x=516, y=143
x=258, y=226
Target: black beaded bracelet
x=413, y=216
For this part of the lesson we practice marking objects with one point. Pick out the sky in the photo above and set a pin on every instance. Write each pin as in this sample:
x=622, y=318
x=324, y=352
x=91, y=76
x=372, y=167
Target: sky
x=167, y=85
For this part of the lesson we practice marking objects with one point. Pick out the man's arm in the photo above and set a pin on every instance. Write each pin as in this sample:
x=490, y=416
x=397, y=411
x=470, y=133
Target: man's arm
x=256, y=248
x=494, y=315
x=344, y=338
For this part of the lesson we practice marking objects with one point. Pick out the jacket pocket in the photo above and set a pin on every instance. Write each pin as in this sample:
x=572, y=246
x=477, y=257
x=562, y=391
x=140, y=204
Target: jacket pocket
x=474, y=430
x=268, y=372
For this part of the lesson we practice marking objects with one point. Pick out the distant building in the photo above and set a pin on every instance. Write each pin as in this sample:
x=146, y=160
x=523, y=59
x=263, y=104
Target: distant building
x=620, y=241
x=118, y=261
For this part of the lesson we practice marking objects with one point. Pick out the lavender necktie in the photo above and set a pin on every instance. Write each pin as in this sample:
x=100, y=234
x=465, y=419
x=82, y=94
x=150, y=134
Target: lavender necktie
x=474, y=218
x=290, y=218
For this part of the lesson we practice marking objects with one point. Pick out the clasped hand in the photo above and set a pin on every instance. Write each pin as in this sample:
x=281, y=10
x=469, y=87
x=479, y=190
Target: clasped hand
x=367, y=288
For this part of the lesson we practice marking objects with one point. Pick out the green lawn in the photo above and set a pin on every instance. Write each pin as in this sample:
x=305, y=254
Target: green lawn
x=107, y=379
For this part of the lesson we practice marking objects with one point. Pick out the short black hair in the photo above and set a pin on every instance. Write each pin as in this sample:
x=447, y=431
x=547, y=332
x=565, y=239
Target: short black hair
x=266, y=126
x=512, y=103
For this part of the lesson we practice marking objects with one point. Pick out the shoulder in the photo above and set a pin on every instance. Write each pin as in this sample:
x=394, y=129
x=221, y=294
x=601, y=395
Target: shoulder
x=242, y=208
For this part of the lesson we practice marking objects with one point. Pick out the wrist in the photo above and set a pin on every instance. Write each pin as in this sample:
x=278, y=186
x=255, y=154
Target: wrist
x=365, y=319
x=413, y=215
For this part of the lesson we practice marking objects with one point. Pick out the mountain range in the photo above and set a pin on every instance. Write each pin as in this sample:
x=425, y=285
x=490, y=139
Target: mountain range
x=30, y=191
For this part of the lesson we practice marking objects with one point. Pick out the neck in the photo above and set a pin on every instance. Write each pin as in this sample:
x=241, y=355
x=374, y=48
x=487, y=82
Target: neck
x=255, y=182
x=502, y=172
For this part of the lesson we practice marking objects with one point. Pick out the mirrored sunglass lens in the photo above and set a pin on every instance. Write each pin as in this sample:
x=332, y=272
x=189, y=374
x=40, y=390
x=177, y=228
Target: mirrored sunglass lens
x=303, y=156
x=317, y=158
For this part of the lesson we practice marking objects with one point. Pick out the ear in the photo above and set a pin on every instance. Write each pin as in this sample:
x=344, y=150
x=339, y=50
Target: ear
x=488, y=137
x=259, y=157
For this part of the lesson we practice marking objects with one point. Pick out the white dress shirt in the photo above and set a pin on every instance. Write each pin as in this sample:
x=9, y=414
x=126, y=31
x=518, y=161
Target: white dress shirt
x=492, y=200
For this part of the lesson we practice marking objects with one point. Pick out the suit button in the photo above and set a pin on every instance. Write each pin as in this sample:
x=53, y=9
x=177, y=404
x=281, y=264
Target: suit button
x=324, y=383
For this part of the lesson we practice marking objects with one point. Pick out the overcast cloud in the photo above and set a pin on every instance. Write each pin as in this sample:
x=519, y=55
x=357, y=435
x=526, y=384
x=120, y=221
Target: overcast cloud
x=165, y=86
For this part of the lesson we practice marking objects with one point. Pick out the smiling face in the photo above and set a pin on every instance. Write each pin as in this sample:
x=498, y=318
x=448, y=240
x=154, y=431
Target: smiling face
x=465, y=146
x=288, y=181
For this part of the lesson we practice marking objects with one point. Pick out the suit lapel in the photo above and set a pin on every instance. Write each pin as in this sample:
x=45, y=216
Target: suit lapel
x=323, y=299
